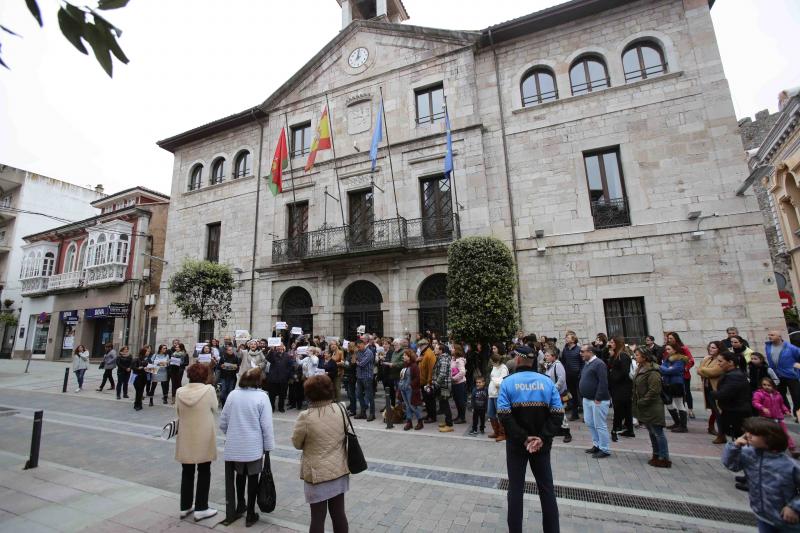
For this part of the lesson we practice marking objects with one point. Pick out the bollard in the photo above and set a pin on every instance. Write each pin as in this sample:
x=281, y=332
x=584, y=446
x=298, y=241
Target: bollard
x=66, y=380
x=36, y=440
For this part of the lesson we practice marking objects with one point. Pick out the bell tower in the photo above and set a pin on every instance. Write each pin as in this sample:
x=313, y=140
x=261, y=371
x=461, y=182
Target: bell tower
x=381, y=10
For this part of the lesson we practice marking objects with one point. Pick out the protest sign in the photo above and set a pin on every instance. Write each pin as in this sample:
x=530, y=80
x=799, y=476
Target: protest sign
x=274, y=341
x=281, y=325
x=297, y=331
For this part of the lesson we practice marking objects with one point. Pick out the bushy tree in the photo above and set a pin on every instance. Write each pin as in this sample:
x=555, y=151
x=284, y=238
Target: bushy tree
x=480, y=290
x=203, y=290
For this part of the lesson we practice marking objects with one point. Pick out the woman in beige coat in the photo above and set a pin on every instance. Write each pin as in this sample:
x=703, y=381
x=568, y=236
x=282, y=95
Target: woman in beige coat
x=319, y=432
x=196, y=446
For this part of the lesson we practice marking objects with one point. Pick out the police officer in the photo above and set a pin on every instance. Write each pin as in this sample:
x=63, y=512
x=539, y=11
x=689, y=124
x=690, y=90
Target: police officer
x=529, y=407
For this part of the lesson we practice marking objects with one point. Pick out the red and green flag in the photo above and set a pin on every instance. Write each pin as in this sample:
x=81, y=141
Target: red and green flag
x=280, y=162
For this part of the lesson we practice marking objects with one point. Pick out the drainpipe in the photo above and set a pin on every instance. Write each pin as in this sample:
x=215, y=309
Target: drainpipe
x=508, y=178
x=255, y=223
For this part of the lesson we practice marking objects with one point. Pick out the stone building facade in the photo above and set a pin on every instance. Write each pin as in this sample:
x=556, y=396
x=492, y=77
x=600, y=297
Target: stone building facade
x=597, y=139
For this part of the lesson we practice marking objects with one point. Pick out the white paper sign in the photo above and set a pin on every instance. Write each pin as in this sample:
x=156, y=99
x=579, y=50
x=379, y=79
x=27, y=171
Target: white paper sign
x=302, y=349
x=345, y=344
x=297, y=331
x=175, y=361
x=281, y=325
x=242, y=335
x=204, y=358
x=199, y=346
x=361, y=329
x=319, y=372
x=274, y=341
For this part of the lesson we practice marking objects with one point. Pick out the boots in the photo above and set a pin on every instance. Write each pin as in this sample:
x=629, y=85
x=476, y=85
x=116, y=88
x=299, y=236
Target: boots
x=418, y=426
x=408, y=425
x=711, y=430
x=676, y=421
x=151, y=401
x=567, y=436
x=501, y=435
x=681, y=427
x=721, y=439
x=495, y=431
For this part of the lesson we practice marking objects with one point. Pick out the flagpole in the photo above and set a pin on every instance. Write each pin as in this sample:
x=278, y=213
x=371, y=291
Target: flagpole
x=291, y=173
x=389, y=154
x=333, y=149
x=453, y=170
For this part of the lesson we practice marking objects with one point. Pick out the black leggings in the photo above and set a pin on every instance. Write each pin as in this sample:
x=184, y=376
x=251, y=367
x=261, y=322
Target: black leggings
x=151, y=388
x=252, y=488
x=320, y=510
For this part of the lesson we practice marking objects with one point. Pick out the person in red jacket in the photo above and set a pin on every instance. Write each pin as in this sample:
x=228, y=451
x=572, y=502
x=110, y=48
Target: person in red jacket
x=674, y=338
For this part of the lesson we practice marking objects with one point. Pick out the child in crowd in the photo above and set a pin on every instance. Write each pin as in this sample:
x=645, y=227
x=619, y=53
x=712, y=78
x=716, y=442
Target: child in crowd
x=769, y=404
x=773, y=476
x=499, y=372
x=480, y=398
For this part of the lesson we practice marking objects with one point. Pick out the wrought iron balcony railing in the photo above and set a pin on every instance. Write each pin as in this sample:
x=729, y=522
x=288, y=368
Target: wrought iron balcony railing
x=611, y=213
x=380, y=235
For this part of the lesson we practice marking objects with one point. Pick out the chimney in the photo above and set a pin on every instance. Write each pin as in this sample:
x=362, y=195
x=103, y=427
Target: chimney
x=99, y=188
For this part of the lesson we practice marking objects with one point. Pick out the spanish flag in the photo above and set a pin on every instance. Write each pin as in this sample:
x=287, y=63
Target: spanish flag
x=322, y=139
x=279, y=163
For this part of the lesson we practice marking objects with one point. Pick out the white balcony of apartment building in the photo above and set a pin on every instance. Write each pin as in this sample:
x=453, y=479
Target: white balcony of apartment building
x=34, y=285
x=67, y=280
x=37, y=267
x=106, y=260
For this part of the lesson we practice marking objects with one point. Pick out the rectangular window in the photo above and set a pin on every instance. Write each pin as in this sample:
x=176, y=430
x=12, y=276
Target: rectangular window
x=362, y=216
x=206, y=332
x=153, y=329
x=436, y=209
x=626, y=317
x=606, y=188
x=430, y=104
x=212, y=241
x=297, y=228
x=301, y=139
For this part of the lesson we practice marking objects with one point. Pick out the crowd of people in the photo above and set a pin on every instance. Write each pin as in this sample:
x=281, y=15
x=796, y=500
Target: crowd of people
x=428, y=379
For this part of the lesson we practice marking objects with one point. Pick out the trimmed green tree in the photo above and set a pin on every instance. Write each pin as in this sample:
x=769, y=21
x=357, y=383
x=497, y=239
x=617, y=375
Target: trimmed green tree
x=203, y=290
x=480, y=290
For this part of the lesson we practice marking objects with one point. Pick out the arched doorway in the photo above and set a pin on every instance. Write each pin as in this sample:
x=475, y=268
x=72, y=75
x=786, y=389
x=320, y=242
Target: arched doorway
x=362, y=307
x=433, y=305
x=296, y=309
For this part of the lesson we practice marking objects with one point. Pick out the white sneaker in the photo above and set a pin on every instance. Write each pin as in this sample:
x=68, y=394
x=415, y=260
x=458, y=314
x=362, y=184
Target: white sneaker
x=187, y=512
x=78, y=389
x=202, y=515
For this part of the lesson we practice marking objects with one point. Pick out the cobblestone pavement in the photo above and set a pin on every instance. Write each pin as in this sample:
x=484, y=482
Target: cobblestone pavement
x=418, y=480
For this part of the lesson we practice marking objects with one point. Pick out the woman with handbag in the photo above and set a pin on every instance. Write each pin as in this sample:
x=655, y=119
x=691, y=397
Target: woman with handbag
x=246, y=421
x=80, y=363
x=108, y=365
x=648, y=406
x=556, y=371
x=620, y=385
x=710, y=372
x=196, y=444
x=320, y=433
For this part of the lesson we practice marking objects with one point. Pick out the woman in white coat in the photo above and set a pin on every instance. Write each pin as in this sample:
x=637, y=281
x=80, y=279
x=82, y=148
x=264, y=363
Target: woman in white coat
x=80, y=363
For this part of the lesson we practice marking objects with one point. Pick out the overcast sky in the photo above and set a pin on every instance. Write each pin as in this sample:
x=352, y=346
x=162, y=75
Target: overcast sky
x=193, y=61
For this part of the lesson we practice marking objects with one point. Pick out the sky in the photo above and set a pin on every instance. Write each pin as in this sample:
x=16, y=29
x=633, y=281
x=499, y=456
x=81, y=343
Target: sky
x=194, y=61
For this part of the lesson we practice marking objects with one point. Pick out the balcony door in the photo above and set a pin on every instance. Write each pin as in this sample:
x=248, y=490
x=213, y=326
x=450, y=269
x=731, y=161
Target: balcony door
x=297, y=229
x=362, y=216
x=362, y=307
x=437, y=209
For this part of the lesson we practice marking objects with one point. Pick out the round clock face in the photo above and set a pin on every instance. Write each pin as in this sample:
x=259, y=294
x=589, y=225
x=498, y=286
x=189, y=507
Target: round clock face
x=358, y=57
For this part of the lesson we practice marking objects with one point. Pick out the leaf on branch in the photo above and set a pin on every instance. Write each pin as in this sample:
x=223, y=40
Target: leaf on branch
x=75, y=12
x=112, y=4
x=100, y=47
x=72, y=30
x=2, y=62
x=8, y=31
x=33, y=7
x=108, y=31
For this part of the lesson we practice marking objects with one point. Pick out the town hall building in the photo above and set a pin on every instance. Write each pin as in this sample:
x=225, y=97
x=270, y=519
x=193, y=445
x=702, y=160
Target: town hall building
x=596, y=138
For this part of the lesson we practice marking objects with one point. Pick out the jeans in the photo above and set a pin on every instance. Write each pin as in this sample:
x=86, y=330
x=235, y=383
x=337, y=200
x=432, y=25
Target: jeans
x=658, y=440
x=226, y=386
x=460, y=398
x=517, y=457
x=444, y=409
x=187, y=486
x=122, y=383
x=366, y=396
x=108, y=375
x=411, y=410
x=276, y=390
x=764, y=527
x=478, y=419
x=595, y=417
x=350, y=385
x=491, y=411
x=79, y=376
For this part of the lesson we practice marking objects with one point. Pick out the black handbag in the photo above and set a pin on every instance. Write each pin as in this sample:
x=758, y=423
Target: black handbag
x=356, y=462
x=266, y=497
x=666, y=397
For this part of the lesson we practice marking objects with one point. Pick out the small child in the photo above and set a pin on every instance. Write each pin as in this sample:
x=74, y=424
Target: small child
x=774, y=477
x=769, y=404
x=480, y=398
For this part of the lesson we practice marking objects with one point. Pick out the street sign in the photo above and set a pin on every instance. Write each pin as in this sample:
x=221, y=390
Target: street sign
x=117, y=309
x=787, y=302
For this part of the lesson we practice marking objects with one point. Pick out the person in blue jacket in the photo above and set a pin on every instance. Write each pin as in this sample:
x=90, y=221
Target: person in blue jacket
x=672, y=372
x=784, y=359
x=529, y=407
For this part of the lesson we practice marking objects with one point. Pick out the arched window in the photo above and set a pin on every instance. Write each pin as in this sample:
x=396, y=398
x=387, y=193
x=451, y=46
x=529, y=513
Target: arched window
x=196, y=178
x=37, y=265
x=242, y=167
x=218, y=171
x=538, y=86
x=70, y=258
x=100, y=250
x=642, y=60
x=122, y=249
x=48, y=264
x=110, y=249
x=82, y=257
x=588, y=74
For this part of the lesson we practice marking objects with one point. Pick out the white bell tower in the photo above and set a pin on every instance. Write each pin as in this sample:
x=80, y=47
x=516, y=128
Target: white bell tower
x=383, y=10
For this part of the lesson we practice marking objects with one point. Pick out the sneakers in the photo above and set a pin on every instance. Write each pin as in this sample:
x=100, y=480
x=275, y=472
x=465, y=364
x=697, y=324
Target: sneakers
x=600, y=454
x=202, y=515
x=473, y=432
x=187, y=512
x=446, y=429
x=78, y=389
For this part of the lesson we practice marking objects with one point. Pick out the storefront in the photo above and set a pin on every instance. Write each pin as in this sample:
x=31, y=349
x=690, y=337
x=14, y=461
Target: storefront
x=69, y=323
x=100, y=318
x=38, y=328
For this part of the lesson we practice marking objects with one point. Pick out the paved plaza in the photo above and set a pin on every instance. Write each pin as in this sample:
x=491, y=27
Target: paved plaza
x=103, y=467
